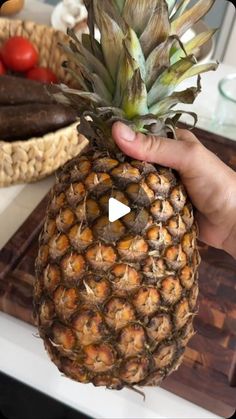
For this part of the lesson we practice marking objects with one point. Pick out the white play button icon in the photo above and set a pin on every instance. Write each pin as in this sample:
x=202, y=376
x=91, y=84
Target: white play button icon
x=117, y=210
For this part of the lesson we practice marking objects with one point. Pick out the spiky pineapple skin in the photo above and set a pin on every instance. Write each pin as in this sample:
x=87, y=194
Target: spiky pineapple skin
x=115, y=302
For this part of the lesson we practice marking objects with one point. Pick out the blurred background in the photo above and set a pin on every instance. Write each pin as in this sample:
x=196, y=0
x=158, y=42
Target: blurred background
x=221, y=16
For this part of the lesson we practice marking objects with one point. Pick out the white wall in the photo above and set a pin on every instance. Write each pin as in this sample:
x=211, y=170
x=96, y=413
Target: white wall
x=230, y=54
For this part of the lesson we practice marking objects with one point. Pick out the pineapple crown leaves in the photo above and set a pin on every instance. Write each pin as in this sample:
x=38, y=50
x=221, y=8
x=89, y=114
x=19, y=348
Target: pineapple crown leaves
x=139, y=62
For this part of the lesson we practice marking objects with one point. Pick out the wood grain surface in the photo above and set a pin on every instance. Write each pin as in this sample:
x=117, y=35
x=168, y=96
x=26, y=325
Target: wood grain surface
x=207, y=376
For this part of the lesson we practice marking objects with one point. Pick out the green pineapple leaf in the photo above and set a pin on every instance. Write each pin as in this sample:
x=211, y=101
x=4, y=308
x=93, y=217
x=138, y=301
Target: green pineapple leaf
x=120, y=5
x=88, y=96
x=185, y=21
x=193, y=45
x=159, y=59
x=132, y=44
x=135, y=97
x=79, y=54
x=198, y=69
x=100, y=88
x=110, y=7
x=126, y=69
x=186, y=96
x=111, y=39
x=93, y=46
x=157, y=30
x=137, y=13
x=169, y=79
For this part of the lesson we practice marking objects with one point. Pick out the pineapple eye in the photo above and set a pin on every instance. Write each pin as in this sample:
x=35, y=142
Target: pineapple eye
x=66, y=301
x=73, y=266
x=109, y=232
x=118, y=313
x=87, y=211
x=162, y=210
x=49, y=229
x=176, y=226
x=62, y=338
x=105, y=164
x=175, y=257
x=159, y=183
x=42, y=255
x=178, y=197
x=125, y=174
x=132, y=248
x=88, y=327
x=164, y=356
x=98, y=183
x=101, y=257
x=51, y=277
x=58, y=245
x=80, y=237
x=155, y=268
x=125, y=278
x=132, y=340
x=137, y=221
x=140, y=194
x=104, y=200
x=80, y=170
x=187, y=214
x=182, y=313
x=57, y=202
x=99, y=358
x=134, y=370
x=159, y=327
x=75, y=370
x=171, y=290
x=187, y=276
x=75, y=193
x=96, y=290
x=187, y=333
x=46, y=313
x=158, y=237
x=65, y=219
x=189, y=243
x=147, y=301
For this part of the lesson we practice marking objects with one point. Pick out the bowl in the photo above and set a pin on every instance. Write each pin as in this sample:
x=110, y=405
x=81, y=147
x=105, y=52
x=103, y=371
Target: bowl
x=36, y=158
x=205, y=52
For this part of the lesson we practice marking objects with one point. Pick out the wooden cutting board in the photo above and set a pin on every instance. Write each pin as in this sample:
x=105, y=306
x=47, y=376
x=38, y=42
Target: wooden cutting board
x=207, y=376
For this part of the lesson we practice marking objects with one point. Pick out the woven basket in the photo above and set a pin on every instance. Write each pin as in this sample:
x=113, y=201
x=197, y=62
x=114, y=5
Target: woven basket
x=33, y=159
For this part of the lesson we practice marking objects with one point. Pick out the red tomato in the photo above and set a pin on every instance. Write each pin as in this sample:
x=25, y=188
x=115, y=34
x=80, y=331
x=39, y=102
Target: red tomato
x=2, y=68
x=42, y=74
x=19, y=54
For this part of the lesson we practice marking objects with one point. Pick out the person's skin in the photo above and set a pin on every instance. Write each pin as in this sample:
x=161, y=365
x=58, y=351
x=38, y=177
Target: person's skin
x=211, y=185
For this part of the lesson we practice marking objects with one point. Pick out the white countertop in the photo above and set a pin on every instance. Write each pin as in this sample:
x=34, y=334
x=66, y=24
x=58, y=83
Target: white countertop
x=22, y=355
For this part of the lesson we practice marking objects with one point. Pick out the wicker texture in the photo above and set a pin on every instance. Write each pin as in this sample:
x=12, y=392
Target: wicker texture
x=27, y=161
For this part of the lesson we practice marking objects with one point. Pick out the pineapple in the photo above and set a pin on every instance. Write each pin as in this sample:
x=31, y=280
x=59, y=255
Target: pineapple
x=115, y=302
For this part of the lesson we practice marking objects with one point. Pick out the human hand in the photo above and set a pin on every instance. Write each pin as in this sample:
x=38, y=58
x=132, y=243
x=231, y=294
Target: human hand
x=211, y=185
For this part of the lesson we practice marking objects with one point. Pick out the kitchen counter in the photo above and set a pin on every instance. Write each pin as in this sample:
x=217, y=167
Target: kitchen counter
x=22, y=354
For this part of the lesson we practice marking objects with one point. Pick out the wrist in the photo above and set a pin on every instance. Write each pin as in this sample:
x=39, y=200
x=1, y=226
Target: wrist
x=229, y=244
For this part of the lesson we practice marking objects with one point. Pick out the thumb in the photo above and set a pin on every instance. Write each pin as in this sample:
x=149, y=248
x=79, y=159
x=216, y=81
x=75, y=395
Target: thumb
x=183, y=156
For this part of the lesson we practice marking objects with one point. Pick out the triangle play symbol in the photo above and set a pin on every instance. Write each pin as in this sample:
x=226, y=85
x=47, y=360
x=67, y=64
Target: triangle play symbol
x=117, y=210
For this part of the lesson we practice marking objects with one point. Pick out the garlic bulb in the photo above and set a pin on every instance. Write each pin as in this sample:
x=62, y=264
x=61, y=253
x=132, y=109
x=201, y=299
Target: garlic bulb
x=73, y=11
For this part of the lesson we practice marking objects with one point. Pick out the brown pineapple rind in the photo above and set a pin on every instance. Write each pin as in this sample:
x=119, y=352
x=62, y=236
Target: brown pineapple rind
x=115, y=301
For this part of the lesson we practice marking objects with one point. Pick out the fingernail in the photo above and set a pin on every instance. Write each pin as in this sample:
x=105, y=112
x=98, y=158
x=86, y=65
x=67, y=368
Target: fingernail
x=126, y=133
